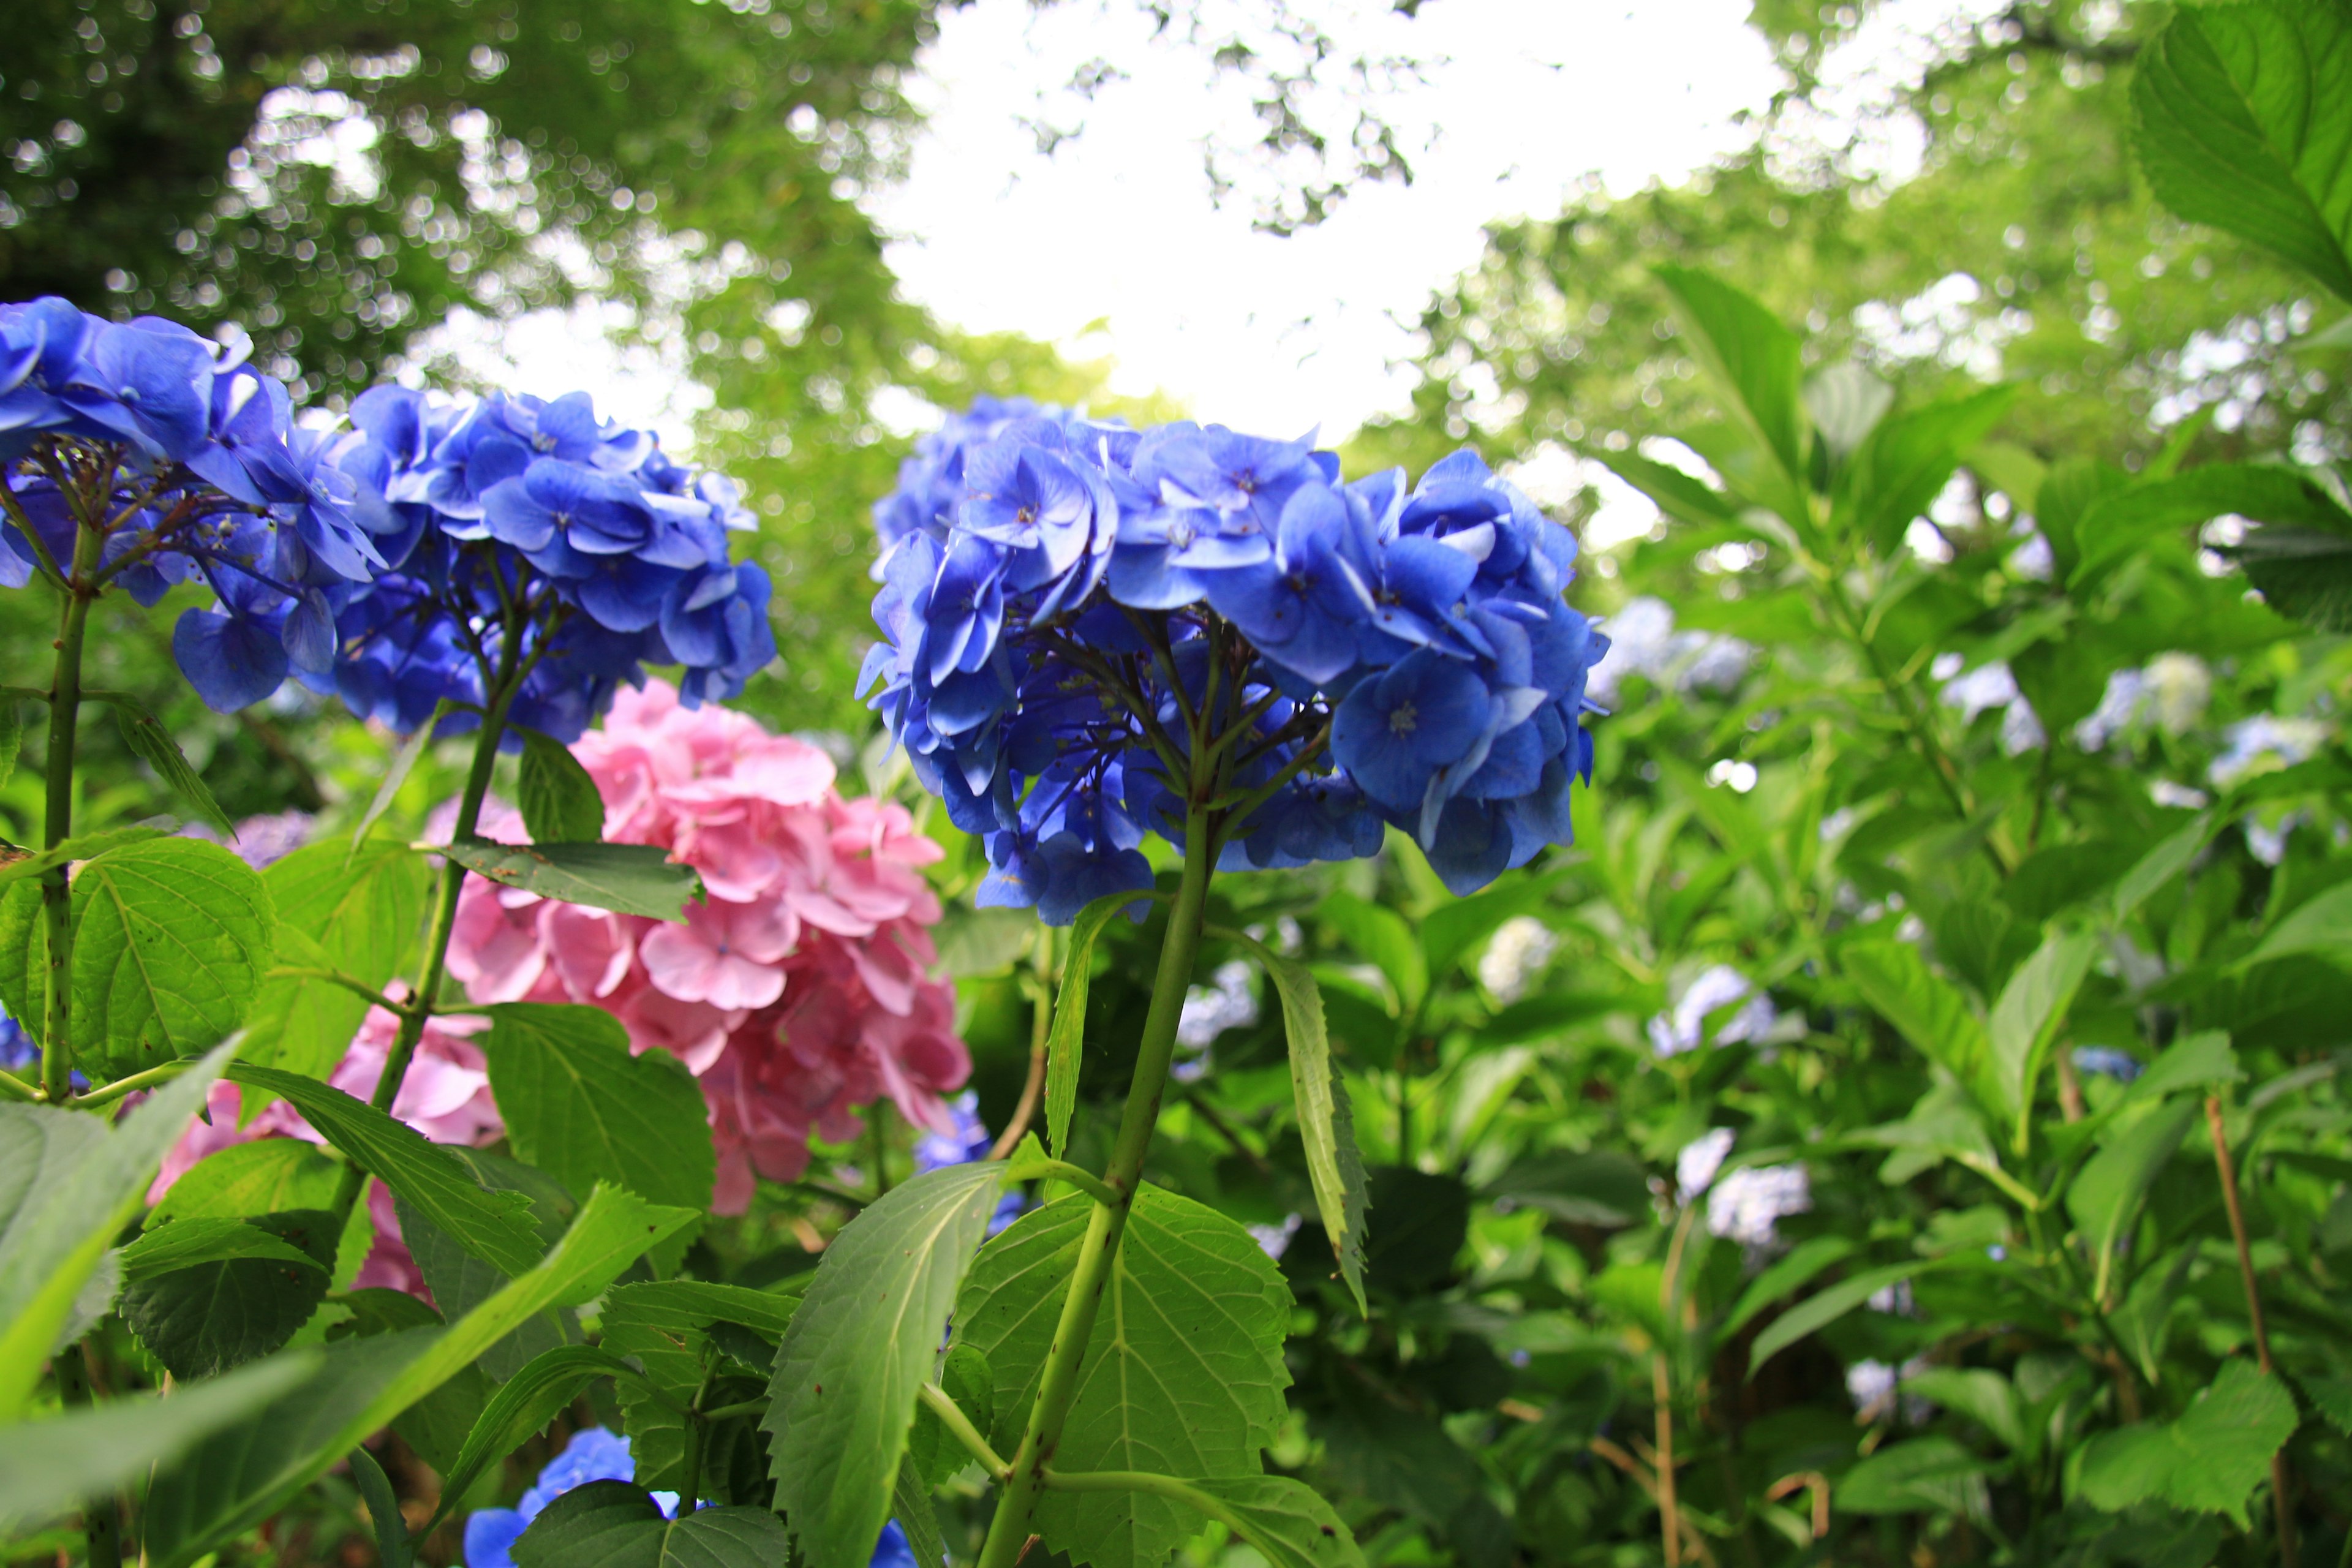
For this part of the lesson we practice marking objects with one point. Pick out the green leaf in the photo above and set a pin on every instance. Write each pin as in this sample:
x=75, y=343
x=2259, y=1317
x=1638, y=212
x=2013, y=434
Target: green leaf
x=2104, y=1197
x=403, y=762
x=47, y=1467
x=2029, y=1014
x=168, y=1248
x=152, y=744
x=1820, y=1311
x=1784, y=1274
x=1289, y=1524
x=87, y=847
x=863, y=1341
x=2209, y=1461
x=460, y=1281
x=932, y=1450
x=1183, y=1373
x=1325, y=1118
x=493, y=1227
x=354, y=911
x=1602, y=1187
x=24, y=956
x=2123, y=524
x=583, y=1107
x=1907, y=460
x=523, y=1405
x=2193, y=1061
x=1846, y=402
x=12, y=737
x=68, y=1183
x=436, y=1426
x=627, y=879
x=1758, y=361
x=1932, y=1014
x=171, y=938
x=265, y=1176
x=1673, y=492
x=2331, y=1397
x=560, y=802
x=1451, y=930
x=2321, y=925
x=910, y=1505
x=1380, y=937
x=974, y=943
x=1984, y=1396
x=383, y=1510
x=1067, y=1039
x=2240, y=121
x=248, y=1472
x=2171, y=857
x=676, y=1329
x=1925, y=1475
x=2143, y=1323
x=2301, y=572
x=611, y=1524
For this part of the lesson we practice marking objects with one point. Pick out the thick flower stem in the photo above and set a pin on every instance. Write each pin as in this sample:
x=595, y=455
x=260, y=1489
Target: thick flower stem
x=57, y=823
x=436, y=939
x=2281, y=1506
x=1008, y=1533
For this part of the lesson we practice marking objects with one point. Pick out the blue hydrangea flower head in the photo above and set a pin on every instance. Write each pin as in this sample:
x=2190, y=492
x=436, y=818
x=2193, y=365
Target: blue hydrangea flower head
x=510, y=518
x=1067, y=604
x=186, y=459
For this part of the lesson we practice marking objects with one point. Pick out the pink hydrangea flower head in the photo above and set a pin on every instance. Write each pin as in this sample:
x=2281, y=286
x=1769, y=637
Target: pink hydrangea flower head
x=797, y=990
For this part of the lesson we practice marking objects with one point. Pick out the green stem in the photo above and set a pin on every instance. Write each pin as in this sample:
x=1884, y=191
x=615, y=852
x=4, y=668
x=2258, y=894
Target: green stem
x=960, y=1426
x=698, y=1433
x=16, y=1088
x=101, y=1517
x=1008, y=1532
x=57, y=823
x=445, y=914
x=107, y=1094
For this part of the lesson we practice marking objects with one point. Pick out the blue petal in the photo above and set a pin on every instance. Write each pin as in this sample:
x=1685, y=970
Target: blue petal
x=232, y=663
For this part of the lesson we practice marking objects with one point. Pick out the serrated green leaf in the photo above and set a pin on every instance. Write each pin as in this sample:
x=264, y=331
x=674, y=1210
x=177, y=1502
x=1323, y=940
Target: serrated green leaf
x=2320, y=925
x=1826, y=1307
x=1784, y=1274
x=164, y=1249
x=2029, y=1013
x=2332, y=1397
x=1290, y=1525
x=354, y=911
x=171, y=938
x=2208, y=1461
x=934, y=1452
x=863, y=1339
x=1906, y=459
x=627, y=879
x=522, y=1406
x=611, y=1524
x=85, y=846
x=47, y=1467
x=2240, y=121
x=673, y=1330
x=1325, y=1118
x=68, y=1183
x=2171, y=857
x=1984, y=1396
x=1932, y=1014
x=247, y=1473
x=1067, y=1038
x=383, y=1510
x=12, y=737
x=1925, y=1475
x=910, y=1505
x=23, y=955
x=558, y=800
x=1380, y=937
x=1184, y=1375
x=494, y=1228
x=459, y=1280
x=152, y=744
x=2192, y=1062
x=2121, y=524
x=436, y=1426
x=2104, y=1197
x=1758, y=362
x=583, y=1107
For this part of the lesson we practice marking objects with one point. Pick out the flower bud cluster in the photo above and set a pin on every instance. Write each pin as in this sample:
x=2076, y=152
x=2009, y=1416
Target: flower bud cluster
x=1067, y=604
x=797, y=990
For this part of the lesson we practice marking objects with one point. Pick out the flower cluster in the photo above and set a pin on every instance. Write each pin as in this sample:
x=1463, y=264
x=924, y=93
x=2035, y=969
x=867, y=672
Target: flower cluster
x=798, y=990
x=531, y=535
x=1066, y=603
x=446, y=1096
x=188, y=460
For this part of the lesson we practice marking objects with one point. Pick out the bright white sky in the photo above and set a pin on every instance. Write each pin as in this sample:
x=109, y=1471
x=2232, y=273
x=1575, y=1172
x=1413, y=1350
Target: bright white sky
x=1111, y=247
x=1251, y=328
